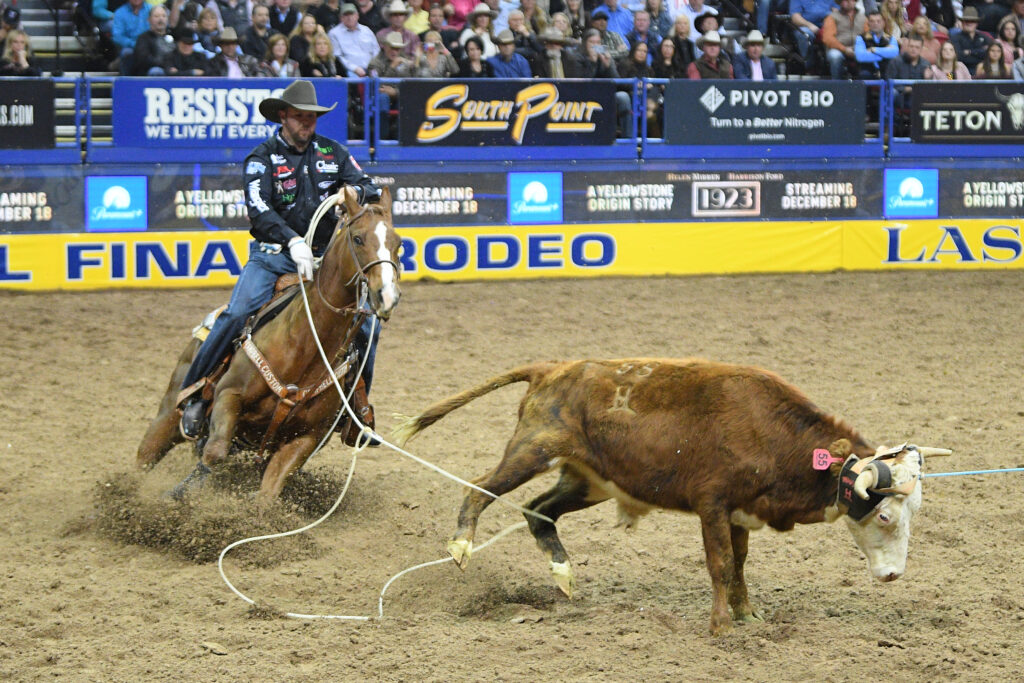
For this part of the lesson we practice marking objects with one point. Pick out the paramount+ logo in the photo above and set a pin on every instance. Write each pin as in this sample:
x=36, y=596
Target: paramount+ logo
x=534, y=198
x=911, y=193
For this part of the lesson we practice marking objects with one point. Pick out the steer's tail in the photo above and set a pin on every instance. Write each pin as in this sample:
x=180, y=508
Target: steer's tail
x=414, y=425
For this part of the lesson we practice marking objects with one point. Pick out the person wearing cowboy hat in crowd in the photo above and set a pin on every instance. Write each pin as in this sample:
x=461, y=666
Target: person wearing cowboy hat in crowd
x=711, y=64
x=184, y=59
x=478, y=24
x=390, y=63
x=553, y=61
x=397, y=13
x=230, y=61
x=153, y=46
x=614, y=44
x=751, y=64
x=508, y=63
x=971, y=44
x=285, y=179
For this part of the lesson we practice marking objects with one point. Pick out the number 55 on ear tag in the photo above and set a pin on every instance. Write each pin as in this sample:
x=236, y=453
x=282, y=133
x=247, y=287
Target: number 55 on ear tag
x=822, y=459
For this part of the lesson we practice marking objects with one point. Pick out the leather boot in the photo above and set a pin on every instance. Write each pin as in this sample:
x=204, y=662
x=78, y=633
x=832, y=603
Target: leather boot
x=193, y=418
x=361, y=407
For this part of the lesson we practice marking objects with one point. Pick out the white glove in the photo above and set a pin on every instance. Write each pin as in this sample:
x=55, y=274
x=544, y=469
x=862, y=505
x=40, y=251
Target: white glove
x=303, y=257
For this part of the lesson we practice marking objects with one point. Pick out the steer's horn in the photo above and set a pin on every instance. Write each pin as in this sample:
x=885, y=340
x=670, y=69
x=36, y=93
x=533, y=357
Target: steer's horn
x=865, y=480
x=928, y=451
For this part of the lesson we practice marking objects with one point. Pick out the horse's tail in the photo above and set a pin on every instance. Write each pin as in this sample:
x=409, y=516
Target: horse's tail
x=414, y=425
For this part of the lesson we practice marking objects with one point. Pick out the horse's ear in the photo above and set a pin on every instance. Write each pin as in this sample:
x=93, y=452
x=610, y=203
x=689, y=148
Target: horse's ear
x=385, y=199
x=351, y=200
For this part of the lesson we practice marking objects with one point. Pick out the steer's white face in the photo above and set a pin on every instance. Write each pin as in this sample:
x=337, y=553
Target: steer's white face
x=884, y=535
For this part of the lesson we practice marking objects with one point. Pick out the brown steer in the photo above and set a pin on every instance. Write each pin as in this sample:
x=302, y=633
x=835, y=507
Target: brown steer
x=733, y=444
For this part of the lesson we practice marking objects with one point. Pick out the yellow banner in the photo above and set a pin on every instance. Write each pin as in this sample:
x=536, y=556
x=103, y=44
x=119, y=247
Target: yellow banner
x=204, y=259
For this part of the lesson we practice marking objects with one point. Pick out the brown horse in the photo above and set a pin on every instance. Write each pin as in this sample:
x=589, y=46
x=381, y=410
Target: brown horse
x=363, y=254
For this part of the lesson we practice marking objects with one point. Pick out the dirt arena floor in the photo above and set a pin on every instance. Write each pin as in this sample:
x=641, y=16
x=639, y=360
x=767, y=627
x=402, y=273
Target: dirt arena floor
x=104, y=580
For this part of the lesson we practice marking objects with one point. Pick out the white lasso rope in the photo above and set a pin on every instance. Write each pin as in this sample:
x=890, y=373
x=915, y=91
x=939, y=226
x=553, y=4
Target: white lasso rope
x=360, y=445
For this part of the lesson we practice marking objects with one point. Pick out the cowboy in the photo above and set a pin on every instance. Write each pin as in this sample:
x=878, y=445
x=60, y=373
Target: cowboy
x=397, y=13
x=230, y=61
x=286, y=179
x=971, y=45
x=711, y=64
x=751, y=64
x=508, y=63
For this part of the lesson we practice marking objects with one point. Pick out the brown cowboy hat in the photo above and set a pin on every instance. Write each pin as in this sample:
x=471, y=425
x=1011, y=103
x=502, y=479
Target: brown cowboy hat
x=970, y=14
x=228, y=35
x=552, y=35
x=300, y=95
x=481, y=8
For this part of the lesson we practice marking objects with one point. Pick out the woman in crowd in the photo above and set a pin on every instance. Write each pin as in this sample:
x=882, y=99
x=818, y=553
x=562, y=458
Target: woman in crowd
x=993, y=66
x=1009, y=38
x=536, y=17
x=301, y=40
x=321, y=62
x=922, y=28
x=17, y=58
x=634, y=65
x=948, y=68
x=577, y=18
x=417, y=20
x=661, y=22
x=560, y=21
x=894, y=13
x=686, y=51
x=433, y=60
x=665, y=64
x=479, y=24
x=208, y=31
x=276, y=62
x=474, y=65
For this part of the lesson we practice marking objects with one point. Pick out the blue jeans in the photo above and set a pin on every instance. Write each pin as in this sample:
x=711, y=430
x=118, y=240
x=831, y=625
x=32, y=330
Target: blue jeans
x=803, y=37
x=254, y=288
x=836, y=63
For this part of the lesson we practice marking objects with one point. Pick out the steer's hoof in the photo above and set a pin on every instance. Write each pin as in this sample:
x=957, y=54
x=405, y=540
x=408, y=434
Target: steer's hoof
x=751, y=618
x=564, y=579
x=460, y=549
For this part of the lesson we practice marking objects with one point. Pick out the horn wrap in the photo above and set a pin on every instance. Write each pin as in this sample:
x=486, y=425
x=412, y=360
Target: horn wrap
x=928, y=451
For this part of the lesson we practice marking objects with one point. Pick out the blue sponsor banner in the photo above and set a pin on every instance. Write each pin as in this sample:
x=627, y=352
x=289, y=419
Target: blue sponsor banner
x=911, y=192
x=211, y=112
x=116, y=203
x=534, y=198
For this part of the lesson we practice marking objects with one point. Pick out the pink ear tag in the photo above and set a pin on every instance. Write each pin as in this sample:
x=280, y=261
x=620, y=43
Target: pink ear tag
x=822, y=459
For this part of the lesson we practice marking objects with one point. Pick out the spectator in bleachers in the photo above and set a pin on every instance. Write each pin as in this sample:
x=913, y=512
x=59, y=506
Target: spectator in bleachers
x=553, y=61
x=456, y=11
x=993, y=66
x=153, y=46
x=354, y=43
x=10, y=20
x=661, y=20
x=276, y=62
x=434, y=60
x=1009, y=38
x=236, y=14
x=989, y=13
x=897, y=23
x=397, y=13
x=1017, y=70
x=686, y=49
x=418, y=20
x=948, y=67
x=254, y=37
x=478, y=24
x=131, y=20
x=642, y=33
x=615, y=44
x=536, y=18
x=577, y=18
x=665, y=63
x=17, y=58
x=691, y=10
x=922, y=28
x=763, y=10
x=561, y=23
x=526, y=41
x=321, y=61
x=184, y=59
x=503, y=8
x=711, y=64
x=99, y=11
x=634, y=65
x=711, y=22
x=391, y=62
x=971, y=45
x=751, y=64
x=909, y=65
x=301, y=39
x=508, y=63
x=370, y=15
x=874, y=48
x=208, y=30
x=595, y=62
x=473, y=65
x=437, y=22
x=327, y=14
x=1017, y=15
x=230, y=61
x=619, y=19
x=839, y=32
x=283, y=17
x=808, y=16
x=183, y=13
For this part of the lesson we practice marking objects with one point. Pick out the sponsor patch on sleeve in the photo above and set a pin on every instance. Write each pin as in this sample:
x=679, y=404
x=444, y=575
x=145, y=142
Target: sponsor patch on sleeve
x=355, y=163
x=254, y=167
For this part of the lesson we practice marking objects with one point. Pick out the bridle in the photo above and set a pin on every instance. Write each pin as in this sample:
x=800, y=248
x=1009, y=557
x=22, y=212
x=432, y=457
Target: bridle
x=359, y=276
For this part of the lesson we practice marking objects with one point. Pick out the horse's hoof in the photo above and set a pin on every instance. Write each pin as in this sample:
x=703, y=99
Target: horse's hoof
x=564, y=579
x=460, y=550
x=193, y=482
